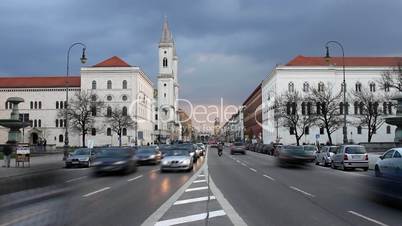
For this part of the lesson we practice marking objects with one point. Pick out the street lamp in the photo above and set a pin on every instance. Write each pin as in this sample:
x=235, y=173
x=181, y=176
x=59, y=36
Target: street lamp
x=327, y=58
x=83, y=61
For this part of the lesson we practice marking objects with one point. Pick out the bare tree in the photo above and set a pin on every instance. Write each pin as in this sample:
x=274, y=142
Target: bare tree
x=288, y=114
x=392, y=79
x=369, y=114
x=81, y=111
x=328, y=105
x=119, y=120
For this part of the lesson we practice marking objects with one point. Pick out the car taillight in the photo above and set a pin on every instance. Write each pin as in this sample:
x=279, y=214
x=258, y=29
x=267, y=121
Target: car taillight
x=345, y=157
x=366, y=158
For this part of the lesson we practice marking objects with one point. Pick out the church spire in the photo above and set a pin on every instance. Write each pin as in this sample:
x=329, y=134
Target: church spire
x=166, y=34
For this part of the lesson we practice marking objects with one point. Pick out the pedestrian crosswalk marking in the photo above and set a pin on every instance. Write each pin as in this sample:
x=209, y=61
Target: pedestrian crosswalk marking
x=196, y=189
x=190, y=218
x=200, y=199
x=199, y=181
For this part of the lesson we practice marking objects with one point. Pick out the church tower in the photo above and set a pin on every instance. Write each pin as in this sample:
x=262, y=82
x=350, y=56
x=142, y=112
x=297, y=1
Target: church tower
x=168, y=86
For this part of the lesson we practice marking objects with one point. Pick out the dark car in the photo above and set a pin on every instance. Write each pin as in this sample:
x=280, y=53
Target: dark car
x=293, y=154
x=148, y=155
x=115, y=160
x=238, y=147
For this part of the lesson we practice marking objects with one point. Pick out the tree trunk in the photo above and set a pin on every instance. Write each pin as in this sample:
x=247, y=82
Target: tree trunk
x=83, y=139
x=369, y=134
x=328, y=134
x=297, y=138
x=120, y=140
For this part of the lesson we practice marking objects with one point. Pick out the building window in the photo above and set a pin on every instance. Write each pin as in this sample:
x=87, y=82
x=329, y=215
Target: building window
x=358, y=87
x=386, y=87
x=40, y=104
x=109, y=132
x=93, y=132
x=359, y=130
x=388, y=129
x=124, y=84
x=93, y=84
x=39, y=123
x=372, y=87
x=36, y=105
x=291, y=131
x=305, y=87
x=61, y=122
x=6, y=105
x=347, y=108
x=390, y=108
x=57, y=123
x=356, y=108
x=109, y=84
x=35, y=123
x=291, y=87
x=124, y=98
x=57, y=105
x=288, y=108
x=164, y=84
x=165, y=62
x=303, y=105
x=164, y=95
x=320, y=87
x=156, y=116
x=318, y=105
x=307, y=130
x=31, y=105
x=321, y=130
x=124, y=132
x=93, y=98
x=124, y=111
x=109, y=112
x=61, y=104
x=93, y=110
x=294, y=106
x=109, y=98
x=156, y=127
x=309, y=108
x=61, y=138
x=361, y=108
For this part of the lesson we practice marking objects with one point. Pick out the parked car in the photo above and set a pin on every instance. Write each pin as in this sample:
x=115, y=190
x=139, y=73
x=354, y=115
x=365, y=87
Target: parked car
x=238, y=147
x=293, y=154
x=389, y=164
x=115, y=160
x=258, y=147
x=80, y=157
x=324, y=155
x=178, y=158
x=310, y=152
x=252, y=147
x=148, y=155
x=350, y=157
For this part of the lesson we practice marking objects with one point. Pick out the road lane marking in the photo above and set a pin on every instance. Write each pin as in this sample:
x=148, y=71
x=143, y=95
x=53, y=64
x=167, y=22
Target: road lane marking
x=75, y=179
x=367, y=218
x=268, y=177
x=196, y=189
x=97, y=191
x=201, y=175
x=135, y=178
x=252, y=169
x=191, y=218
x=199, y=181
x=24, y=217
x=237, y=161
x=243, y=164
x=301, y=191
x=199, y=199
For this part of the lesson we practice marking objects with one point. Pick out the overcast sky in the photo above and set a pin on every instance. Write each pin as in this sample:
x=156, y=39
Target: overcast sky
x=225, y=47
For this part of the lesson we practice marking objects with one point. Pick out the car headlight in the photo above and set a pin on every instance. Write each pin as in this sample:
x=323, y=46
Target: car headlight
x=152, y=156
x=96, y=163
x=119, y=162
x=187, y=161
x=191, y=153
x=165, y=162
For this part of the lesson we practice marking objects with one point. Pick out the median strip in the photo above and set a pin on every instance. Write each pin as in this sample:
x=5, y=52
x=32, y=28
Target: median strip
x=367, y=218
x=97, y=191
x=301, y=191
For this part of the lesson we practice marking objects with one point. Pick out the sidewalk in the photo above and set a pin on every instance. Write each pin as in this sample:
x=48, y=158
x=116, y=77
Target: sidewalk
x=38, y=164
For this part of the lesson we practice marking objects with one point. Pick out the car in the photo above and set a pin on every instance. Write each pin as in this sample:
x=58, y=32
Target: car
x=293, y=154
x=259, y=147
x=310, y=151
x=148, y=155
x=80, y=157
x=202, y=146
x=238, y=147
x=191, y=148
x=324, y=155
x=121, y=160
x=163, y=148
x=178, y=158
x=389, y=164
x=198, y=150
x=350, y=157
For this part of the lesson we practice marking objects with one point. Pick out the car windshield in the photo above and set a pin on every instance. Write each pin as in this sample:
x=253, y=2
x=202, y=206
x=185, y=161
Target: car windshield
x=293, y=148
x=309, y=148
x=82, y=152
x=178, y=152
x=355, y=150
x=333, y=149
x=238, y=144
x=113, y=153
x=146, y=151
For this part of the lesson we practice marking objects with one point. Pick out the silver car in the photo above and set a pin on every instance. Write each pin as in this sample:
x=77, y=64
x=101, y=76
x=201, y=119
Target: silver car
x=80, y=157
x=350, y=157
x=324, y=155
x=389, y=164
x=177, y=158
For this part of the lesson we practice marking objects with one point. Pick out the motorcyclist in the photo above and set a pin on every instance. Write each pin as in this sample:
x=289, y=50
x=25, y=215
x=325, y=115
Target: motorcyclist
x=220, y=148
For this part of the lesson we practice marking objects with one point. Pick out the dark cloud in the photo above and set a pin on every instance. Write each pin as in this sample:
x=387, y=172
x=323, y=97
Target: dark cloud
x=225, y=47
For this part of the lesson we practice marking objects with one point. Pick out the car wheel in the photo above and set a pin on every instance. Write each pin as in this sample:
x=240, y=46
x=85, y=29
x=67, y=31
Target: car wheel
x=244, y=153
x=89, y=164
x=342, y=167
x=377, y=171
x=332, y=165
x=317, y=162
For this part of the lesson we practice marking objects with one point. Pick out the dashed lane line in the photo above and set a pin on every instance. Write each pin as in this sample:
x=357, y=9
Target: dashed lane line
x=191, y=218
x=199, y=181
x=135, y=178
x=252, y=169
x=75, y=179
x=200, y=199
x=271, y=178
x=367, y=218
x=301, y=191
x=196, y=189
x=97, y=191
x=243, y=164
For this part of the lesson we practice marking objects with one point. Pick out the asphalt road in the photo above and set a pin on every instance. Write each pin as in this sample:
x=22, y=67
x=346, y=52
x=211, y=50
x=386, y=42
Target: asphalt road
x=265, y=194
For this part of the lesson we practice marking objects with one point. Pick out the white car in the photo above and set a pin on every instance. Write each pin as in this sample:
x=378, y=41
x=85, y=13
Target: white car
x=389, y=164
x=350, y=157
x=324, y=155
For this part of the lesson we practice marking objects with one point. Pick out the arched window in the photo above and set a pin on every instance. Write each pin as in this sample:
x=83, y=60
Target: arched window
x=93, y=84
x=361, y=108
x=347, y=108
x=359, y=130
x=375, y=108
x=124, y=132
x=291, y=87
x=309, y=108
x=109, y=112
x=35, y=123
x=124, y=84
x=124, y=111
x=320, y=87
x=307, y=130
x=93, y=110
x=40, y=104
x=372, y=87
x=93, y=132
x=57, y=105
x=318, y=105
x=384, y=108
x=294, y=106
x=288, y=108
x=61, y=104
x=358, y=87
x=109, y=132
x=31, y=105
x=57, y=123
x=39, y=123
x=61, y=138
x=61, y=122
x=388, y=129
x=6, y=105
x=305, y=86
x=165, y=62
x=356, y=108
x=36, y=105
x=109, y=84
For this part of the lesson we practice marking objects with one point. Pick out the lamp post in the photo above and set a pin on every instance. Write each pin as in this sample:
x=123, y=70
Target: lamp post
x=327, y=58
x=83, y=61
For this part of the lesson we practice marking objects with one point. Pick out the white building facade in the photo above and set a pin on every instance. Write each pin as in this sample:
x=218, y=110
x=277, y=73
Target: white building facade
x=312, y=71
